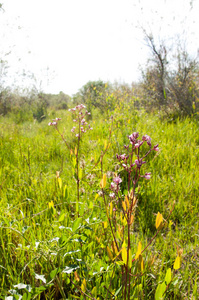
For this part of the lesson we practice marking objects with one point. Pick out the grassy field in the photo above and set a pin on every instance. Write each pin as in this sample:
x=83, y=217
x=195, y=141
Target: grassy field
x=57, y=244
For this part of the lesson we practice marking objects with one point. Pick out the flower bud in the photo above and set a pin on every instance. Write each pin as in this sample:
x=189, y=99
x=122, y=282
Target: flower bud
x=156, y=148
x=147, y=176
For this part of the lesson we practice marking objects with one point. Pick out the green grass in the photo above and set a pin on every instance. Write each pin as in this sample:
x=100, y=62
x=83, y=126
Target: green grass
x=36, y=240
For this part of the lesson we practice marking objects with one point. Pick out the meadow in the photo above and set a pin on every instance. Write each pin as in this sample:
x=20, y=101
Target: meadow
x=60, y=223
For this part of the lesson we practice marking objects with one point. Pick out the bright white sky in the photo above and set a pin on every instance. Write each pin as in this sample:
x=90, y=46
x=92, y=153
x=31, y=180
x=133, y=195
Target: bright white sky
x=82, y=40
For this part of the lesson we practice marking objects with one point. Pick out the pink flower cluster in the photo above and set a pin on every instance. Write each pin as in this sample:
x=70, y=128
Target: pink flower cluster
x=133, y=138
x=78, y=107
x=147, y=139
x=79, y=117
x=122, y=157
x=115, y=184
x=54, y=122
x=137, y=164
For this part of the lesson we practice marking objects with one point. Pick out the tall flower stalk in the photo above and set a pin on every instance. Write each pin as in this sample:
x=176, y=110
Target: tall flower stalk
x=131, y=163
x=79, y=114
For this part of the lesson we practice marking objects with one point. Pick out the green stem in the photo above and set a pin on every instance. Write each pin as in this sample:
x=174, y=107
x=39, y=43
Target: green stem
x=77, y=171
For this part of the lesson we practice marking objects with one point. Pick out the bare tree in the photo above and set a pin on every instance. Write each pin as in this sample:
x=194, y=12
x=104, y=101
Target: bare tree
x=154, y=77
x=170, y=85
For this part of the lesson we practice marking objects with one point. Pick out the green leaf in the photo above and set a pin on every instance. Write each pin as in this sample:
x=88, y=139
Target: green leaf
x=159, y=220
x=76, y=224
x=124, y=255
x=165, y=95
x=80, y=173
x=168, y=276
x=62, y=217
x=90, y=205
x=54, y=272
x=177, y=262
x=40, y=289
x=160, y=291
x=81, y=210
x=60, y=182
x=74, y=162
x=94, y=291
x=120, y=263
x=130, y=259
x=65, y=192
x=139, y=251
x=175, y=282
x=62, y=241
x=77, y=206
x=117, y=292
x=27, y=296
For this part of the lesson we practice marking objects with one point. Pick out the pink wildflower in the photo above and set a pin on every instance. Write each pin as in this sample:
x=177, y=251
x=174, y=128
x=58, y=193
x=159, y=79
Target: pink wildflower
x=112, y=195
x=147, y=176
x=113, y=186
x=139, y=163
x=138, y=144
x=117, y=180
x=147, y=139
x=156, y=148
x=133, y=137
x=123, y=156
